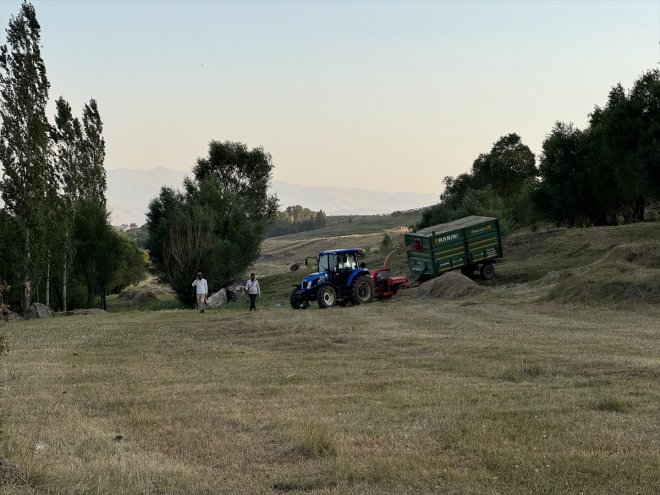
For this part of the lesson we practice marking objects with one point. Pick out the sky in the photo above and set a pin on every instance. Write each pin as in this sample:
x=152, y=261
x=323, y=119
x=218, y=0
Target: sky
x=383, y=95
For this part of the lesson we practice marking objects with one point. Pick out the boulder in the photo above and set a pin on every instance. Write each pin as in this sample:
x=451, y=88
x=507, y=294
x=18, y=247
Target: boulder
x=38, y=310
x=236, y=292
x=217, y=299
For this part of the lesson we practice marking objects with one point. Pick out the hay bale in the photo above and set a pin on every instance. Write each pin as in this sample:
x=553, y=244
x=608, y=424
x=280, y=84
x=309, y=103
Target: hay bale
x=450, y=285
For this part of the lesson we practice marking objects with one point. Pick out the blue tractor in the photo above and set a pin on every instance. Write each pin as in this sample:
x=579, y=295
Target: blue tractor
x=339, y=279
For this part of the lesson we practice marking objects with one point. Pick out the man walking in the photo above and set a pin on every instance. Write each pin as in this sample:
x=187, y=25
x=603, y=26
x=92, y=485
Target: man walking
x=202, y=291
x=253, y=290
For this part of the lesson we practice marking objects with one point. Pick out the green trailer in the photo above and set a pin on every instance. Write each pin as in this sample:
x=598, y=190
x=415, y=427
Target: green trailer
x=470, y=244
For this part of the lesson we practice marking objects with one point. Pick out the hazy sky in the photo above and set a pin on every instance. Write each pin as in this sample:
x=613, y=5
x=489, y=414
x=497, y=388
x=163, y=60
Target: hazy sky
x=382, y=95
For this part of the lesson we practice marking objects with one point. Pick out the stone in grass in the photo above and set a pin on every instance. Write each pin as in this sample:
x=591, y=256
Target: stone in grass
x=38, y=310
x=218, y=299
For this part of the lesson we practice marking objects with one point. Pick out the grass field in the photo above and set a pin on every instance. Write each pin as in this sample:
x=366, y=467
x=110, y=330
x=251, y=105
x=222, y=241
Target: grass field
x=532, y=386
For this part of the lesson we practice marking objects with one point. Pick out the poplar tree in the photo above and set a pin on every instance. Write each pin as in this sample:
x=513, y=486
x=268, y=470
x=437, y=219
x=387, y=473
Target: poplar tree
x=67, y=138
x=92, y=173
x=24, y=141
x=96, y=252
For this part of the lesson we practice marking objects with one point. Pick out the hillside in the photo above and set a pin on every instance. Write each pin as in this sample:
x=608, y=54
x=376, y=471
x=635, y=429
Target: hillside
x=600, y=265
x=279, y=253
x=543, y=381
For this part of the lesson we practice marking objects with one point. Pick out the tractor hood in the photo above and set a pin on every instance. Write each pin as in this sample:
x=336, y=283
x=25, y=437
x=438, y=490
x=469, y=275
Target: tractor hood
x=312, y=279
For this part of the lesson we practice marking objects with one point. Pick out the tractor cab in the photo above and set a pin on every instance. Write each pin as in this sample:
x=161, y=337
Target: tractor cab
x=339, y=279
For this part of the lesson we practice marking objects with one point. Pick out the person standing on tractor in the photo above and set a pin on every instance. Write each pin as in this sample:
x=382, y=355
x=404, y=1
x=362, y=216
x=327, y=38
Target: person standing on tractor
x=202, y=291
x=253, y=290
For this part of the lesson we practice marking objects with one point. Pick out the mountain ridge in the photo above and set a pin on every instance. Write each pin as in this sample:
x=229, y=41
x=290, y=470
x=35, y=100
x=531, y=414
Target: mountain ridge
x=130, y=191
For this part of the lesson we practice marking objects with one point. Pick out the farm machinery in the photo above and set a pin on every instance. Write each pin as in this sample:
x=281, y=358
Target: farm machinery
x=470, y=244
x=340, y=279
x=386, y=285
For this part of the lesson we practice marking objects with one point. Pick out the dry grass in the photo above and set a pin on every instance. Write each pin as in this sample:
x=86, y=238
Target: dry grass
x=462, y=397
x=515, y=389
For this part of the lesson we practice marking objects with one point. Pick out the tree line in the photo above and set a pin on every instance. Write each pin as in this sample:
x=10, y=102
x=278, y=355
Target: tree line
x=55, y=235
x=294, y=219
x=605, y=174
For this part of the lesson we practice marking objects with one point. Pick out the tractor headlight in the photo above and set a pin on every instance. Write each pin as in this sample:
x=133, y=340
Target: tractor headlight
x=309, y=285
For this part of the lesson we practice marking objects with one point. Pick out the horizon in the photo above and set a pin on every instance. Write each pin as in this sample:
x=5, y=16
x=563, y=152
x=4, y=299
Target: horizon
x=387, y=96
x=130, y=190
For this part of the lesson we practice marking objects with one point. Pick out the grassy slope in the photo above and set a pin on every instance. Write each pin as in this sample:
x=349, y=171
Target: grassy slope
x=512, y=391
x=279, y=253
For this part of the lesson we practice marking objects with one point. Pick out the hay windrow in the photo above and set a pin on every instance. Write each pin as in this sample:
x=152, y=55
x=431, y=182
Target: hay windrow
x=450, y=285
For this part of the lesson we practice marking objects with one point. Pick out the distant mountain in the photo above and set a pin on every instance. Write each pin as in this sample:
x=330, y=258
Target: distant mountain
x=129, y=193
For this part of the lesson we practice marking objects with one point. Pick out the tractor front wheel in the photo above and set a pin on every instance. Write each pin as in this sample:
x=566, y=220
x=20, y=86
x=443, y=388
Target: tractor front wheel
x=362, y=290
x=326, y=296
x=296, y=300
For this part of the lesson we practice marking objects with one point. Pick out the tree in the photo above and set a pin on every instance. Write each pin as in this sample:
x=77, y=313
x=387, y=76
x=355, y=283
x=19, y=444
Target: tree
x=132, y=266
x=11, y=245
x=217, y=223
x=67, y=142
x=507, y=168
x=296, y=219
x=563, y=191
x=97, y=249
x=92, y=173
x=645, y=104
x=499, y=184
x=386, y=244
x=29, y=178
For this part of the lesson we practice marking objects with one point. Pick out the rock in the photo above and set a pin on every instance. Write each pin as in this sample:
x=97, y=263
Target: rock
x=38, y=310
x=9, y=316
x=10, y=474
x=236, y=292
x=217, y=299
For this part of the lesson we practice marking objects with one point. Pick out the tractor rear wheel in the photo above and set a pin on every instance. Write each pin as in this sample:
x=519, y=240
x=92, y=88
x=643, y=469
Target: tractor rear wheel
x=487, y=271
x=362, y=290
x=296, y=301
x=326, y=296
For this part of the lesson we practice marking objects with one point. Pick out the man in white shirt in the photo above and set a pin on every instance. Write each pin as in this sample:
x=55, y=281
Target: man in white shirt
x=202, y=291
x=253, y=290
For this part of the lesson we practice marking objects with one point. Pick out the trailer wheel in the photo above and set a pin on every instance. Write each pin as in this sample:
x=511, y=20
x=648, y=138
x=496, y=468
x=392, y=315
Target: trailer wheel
x=362, y=290
x=487, y=271
x=296, y=301
x=326, y=296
